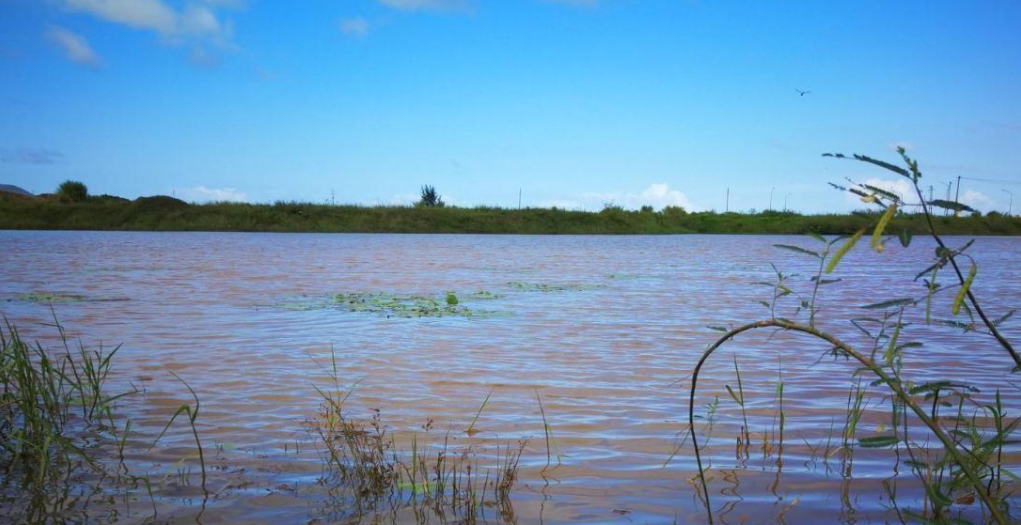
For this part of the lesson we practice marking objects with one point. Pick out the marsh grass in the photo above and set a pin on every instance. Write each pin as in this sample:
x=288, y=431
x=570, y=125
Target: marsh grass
x=63, y=447
x=55, y=413
x=369, y=474
x=967, y=464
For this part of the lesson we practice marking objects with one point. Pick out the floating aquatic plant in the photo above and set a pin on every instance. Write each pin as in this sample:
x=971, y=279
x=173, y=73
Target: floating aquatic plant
x=61, y=298
x=545, y=287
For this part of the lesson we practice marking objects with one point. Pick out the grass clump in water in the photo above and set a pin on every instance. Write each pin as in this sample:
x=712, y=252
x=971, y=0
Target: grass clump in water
x=370, y=473
x=63, y=447
x=54, y=413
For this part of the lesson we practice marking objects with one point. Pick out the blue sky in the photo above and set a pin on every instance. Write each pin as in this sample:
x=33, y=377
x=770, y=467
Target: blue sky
x=574, y=102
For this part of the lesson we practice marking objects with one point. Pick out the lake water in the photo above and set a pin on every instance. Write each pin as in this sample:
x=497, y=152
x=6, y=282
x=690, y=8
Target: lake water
x=605, y=330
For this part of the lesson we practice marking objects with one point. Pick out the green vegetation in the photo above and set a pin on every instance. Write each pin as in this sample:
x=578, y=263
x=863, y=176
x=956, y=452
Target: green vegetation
x=163, y=213
x=73, y=191
x=55, y=415
x=429, y=197
x=393, y=305
x=971, y=429
x=370, y=471
x=545, y=287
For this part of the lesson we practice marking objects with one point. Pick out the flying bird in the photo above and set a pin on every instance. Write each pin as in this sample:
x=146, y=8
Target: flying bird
x=802, y=93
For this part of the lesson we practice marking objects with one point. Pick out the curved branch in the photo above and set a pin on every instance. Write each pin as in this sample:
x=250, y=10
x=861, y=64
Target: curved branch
x=894, y=385
x=960, y=277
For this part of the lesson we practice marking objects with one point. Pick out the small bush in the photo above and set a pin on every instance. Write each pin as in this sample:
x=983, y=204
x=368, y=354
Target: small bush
x=72, y=191
x=675, y=211
x=430, y=198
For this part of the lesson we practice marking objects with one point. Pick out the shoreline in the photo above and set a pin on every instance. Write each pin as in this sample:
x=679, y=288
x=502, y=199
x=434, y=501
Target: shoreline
x=172, y=215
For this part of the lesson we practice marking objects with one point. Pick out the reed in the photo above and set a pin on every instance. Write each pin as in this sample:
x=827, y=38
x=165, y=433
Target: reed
x=368, y=469
x=969, y=465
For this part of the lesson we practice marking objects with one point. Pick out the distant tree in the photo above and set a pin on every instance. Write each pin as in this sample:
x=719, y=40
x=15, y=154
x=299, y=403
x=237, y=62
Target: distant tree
x=430, y=198
x=73, y=191
x=675, y=211
x=611, y=207
x=646, y=209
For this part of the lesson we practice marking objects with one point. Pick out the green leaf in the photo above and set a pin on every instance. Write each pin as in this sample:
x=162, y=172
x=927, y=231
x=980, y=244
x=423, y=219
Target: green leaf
x=963, y=291
x=896, y=169
x=882, y=193
x=905, y=238
x=843, y=250
x=451, y=299
x=937, y=496
x=877, y=234
x=734, y=396
x=1004, y=317
x=950, y=205
x=817, y=237
x=889, y=304
x=797, y=249
x=878, y=441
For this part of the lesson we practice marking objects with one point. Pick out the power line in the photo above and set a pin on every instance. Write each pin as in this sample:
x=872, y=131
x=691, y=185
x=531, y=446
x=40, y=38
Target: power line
x=993, y=181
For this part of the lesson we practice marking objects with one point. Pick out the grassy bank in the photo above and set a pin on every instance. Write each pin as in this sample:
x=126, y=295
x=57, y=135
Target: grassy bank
x=168, y=214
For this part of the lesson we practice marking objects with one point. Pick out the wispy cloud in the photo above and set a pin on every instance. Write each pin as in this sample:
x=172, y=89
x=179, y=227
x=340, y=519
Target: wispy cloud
x=204, y=194
x=416, y=5
x=74, y=46
x=356, y=27
x=39, y=156
x=565, y=204
x=196, y=24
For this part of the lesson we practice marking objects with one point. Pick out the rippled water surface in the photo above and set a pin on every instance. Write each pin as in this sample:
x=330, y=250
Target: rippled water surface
x=604, y=329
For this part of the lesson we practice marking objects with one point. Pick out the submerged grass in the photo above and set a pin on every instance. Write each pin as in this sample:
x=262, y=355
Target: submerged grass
x=371, y=475
x=968, y=463
x=63, y=447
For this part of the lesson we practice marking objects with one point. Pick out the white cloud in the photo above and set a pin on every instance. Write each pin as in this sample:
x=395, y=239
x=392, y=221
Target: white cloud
x=75, y=47
x=405, y=199
x=194, y=22
x=901, y=187
x=357, y=26
x=977, y=200
x=657, y=195
x=564, y=204
x=152, y=15
x=204, y=194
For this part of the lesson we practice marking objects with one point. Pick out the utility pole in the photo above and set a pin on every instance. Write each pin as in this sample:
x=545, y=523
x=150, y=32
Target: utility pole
x=950, y=186
x=930, y=193
x=1010, y=206
x=785, y=202
x=727, y=209
x=519, y=198
x=770, y=199
x=958, y=194
x=333, y=198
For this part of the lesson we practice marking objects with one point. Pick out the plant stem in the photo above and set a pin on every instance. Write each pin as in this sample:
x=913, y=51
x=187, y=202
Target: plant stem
x=894, y=385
